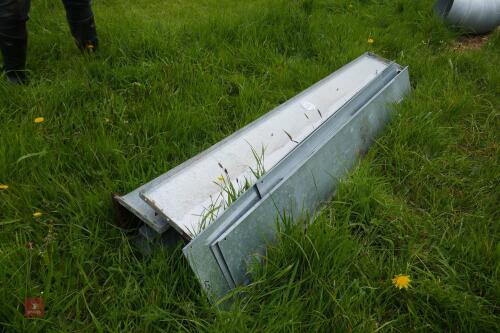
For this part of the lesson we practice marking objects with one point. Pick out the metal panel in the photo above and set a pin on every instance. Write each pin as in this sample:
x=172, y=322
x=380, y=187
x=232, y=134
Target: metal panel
x=203, y=252
x=215, y=279
x=183, y=196
x=311, y=182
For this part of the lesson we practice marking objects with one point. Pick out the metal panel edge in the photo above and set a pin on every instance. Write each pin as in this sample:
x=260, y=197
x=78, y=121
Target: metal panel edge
x=134, y=204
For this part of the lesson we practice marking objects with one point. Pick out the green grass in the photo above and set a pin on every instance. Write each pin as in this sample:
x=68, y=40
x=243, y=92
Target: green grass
x=174, y=77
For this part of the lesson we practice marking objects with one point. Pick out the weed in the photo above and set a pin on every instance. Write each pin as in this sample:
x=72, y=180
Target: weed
x=230, y=190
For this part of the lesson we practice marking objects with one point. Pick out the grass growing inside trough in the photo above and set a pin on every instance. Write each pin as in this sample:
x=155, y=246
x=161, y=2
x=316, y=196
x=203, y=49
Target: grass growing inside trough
x=230, y=189
x=174, y=77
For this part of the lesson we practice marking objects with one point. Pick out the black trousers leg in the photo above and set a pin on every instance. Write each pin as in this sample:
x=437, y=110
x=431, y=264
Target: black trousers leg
x=77, y=10
x=14, y=37
x=81, y=23
x=13, y=17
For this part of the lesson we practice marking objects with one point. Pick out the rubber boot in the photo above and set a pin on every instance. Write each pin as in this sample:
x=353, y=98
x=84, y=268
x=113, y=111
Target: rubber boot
x=14, y=58
x=85, y=34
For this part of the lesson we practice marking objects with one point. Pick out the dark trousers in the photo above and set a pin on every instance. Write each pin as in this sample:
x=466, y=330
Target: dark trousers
x=14, y=14
x=14, y=37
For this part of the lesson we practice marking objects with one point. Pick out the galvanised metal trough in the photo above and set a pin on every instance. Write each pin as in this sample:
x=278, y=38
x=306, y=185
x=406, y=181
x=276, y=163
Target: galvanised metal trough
x=308, y=144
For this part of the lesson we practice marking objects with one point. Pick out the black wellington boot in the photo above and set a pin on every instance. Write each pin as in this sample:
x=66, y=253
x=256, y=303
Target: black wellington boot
x=85, y=34
x=14, y=58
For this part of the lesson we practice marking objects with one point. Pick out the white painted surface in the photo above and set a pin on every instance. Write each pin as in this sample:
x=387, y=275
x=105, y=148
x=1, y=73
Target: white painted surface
x=184, y=197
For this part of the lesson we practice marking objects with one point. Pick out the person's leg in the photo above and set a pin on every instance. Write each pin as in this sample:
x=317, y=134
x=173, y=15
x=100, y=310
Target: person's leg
x=14, y=38
x=81, y=23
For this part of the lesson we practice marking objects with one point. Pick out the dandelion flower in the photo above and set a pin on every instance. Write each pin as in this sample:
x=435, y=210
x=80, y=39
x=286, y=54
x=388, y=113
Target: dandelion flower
x=371, y=40
x=401, y=281
x=39, y=120
x=220, y=178
x=37, y=214
x=4, y=187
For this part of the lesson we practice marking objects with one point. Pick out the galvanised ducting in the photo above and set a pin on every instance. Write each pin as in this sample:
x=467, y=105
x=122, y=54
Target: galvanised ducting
x=475, y=16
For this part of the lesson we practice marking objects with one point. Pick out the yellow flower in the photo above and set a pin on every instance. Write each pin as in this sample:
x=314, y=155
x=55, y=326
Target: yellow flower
x=220, y=178
x=4, y=187
x=401, y=281
x=371, y=40
x=39, y=120
x=37, y=214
